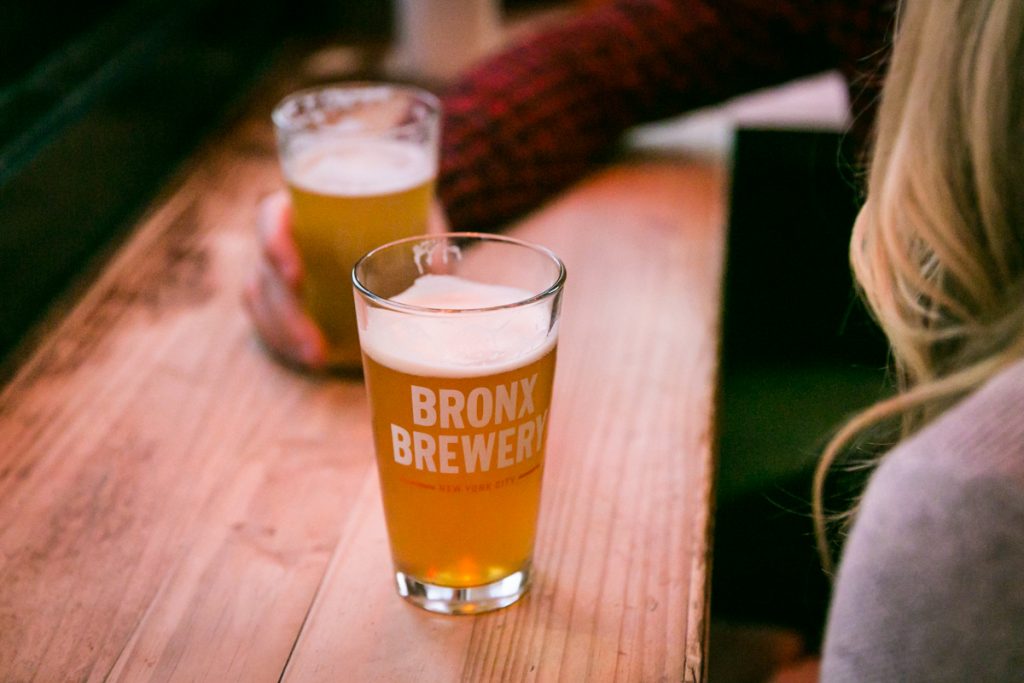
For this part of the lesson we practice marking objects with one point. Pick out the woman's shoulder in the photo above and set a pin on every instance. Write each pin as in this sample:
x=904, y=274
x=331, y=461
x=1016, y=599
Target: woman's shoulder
x=980, y=436
x=929, y=583
x=947, y=475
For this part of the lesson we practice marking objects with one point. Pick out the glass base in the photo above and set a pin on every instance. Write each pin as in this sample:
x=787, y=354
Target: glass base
x=470, y=600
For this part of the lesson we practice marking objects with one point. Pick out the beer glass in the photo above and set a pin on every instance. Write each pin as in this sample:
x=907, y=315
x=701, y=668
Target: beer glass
x=458, y=334
x=359, y=160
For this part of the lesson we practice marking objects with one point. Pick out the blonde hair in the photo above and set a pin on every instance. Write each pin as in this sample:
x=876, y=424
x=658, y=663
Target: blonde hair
x=938, y=247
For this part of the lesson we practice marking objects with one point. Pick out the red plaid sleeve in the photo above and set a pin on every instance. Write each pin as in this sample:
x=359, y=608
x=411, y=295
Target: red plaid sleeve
x=524, y=124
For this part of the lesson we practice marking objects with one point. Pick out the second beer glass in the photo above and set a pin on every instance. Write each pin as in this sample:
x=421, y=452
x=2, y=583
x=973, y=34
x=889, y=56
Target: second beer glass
x=360, y=161
x=459, y=334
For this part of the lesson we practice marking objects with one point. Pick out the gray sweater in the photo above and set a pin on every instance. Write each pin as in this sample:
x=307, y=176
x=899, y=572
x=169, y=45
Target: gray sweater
x=931, y=583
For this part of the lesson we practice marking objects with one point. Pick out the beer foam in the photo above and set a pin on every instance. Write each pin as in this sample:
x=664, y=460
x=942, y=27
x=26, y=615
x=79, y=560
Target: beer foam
x=458, y=345
x=359, y=167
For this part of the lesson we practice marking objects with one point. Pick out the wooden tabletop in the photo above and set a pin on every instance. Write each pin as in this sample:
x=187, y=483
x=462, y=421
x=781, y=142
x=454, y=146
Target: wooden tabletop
x=177, y=506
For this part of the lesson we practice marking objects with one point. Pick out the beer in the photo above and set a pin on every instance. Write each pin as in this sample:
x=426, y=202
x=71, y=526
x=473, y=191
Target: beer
x=350, y=196
x=458, y=333
x=359, y=160
x=460, y=416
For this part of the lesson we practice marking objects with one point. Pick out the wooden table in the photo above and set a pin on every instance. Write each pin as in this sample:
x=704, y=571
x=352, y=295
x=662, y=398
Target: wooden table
x=174, y=505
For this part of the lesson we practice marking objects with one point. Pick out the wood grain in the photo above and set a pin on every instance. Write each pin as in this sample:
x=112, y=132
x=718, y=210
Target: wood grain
x=622, y=548
x=174, y=505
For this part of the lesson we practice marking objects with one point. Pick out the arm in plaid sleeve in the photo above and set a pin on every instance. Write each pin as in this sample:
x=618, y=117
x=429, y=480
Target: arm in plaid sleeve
x=529, y=121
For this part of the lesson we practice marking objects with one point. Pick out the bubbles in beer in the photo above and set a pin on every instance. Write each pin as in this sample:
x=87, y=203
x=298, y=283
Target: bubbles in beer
x=461, y=345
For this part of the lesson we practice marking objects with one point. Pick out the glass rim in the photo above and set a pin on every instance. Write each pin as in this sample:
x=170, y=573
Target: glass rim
x=385, y=302
x=281, y=122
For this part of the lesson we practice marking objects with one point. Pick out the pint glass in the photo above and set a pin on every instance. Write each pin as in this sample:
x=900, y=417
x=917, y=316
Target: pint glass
x=458, y=336
x=359, y=160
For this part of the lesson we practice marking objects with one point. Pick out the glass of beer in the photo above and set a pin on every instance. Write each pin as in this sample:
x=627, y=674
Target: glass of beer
x=458, y=335
x=360, y=161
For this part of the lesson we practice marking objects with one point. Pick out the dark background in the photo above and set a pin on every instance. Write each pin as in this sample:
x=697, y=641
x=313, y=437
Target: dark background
x=800, y=354
x=101, y=100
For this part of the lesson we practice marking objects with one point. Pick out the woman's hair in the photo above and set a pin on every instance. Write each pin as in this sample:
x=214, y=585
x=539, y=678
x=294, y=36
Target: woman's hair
x=938, y=247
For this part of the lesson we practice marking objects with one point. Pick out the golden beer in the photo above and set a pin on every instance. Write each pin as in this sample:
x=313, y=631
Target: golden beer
x=347, y=198
x=459, y=334
x=460, y=500
x=359, y=160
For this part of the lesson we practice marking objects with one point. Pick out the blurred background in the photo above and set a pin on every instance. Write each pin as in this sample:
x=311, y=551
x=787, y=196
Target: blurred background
x=101, y=100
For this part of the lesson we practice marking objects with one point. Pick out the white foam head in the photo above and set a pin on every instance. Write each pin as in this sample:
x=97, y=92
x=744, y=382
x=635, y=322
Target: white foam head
x=358, y=167
x=466, y=344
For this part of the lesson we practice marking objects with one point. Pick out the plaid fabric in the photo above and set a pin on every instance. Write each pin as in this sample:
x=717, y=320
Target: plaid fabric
x=524, y=124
